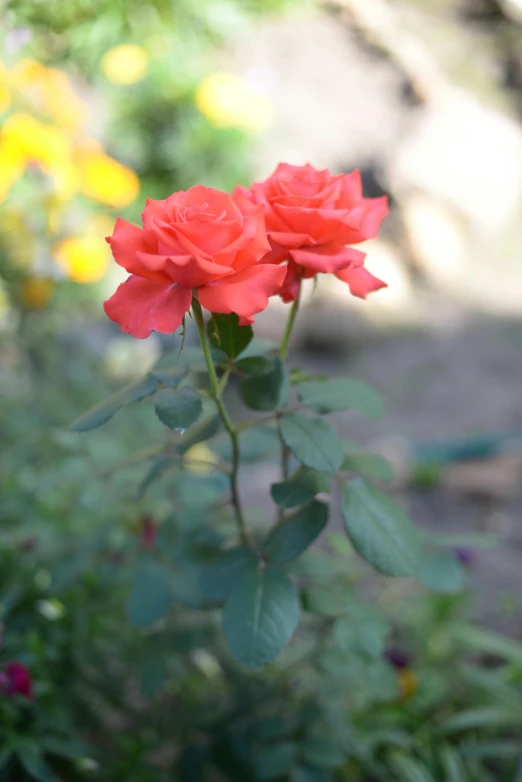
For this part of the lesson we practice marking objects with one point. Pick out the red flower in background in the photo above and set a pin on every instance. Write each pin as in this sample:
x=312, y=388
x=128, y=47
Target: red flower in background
x=200, y=241
x=15, y=679
x=311, y=216
x=148, y=531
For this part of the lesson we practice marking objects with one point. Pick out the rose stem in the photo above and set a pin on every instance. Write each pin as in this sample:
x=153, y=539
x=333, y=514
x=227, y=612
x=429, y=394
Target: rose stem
x=216, y=392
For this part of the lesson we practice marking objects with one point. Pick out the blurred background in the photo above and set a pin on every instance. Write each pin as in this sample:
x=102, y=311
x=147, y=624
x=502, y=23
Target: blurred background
x=105, y=103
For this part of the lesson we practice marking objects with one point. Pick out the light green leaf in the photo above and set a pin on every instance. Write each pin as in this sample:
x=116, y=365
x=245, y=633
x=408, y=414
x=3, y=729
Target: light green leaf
x=485, y=717
x=339, y=393
x=313, y=442
x=267, y=391
x=227, y=335
x=454, y=769
x=291, y=537
x=365, y=462
x=363, y=632
x=441, y=571
x=380, y=530
x=407, y=769
x=480, y=639
x=260, y=615
x=31, y=759
x=300, y=488
x=178, y=408
x=160, y=466
x=151, y=594
x=102, y=412
x=255, y=365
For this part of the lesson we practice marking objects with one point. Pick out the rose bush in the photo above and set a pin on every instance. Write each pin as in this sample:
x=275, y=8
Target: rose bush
x=311, y=215
x=200, y=240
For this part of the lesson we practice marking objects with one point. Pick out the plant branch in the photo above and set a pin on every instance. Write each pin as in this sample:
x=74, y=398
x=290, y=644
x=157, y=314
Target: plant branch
x=215, y=392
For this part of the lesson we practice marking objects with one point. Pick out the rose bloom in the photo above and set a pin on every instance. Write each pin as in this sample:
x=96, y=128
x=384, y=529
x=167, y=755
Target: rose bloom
x=200, y=242
x=311, y=216
x=15, y=679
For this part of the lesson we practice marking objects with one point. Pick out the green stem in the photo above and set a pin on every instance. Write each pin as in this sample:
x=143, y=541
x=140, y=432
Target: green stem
x=215, y=392
x=283, y=348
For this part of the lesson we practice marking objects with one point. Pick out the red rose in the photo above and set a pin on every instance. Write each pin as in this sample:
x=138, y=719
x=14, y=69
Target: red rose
x=200, y=242
x=15, y=679
x=310, y=218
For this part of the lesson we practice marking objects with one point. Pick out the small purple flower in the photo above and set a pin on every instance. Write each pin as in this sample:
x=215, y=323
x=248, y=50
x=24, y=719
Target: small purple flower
x=16, y=39
x=466, y=556
x=15, y=679
x=399, y=658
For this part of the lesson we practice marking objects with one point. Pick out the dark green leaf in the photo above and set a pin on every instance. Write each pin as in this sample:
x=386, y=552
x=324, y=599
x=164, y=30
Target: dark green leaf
x=218, y=576
x=380, y=530
x=100, y=414
x=260, y=615
x=226, y=334
x=204, y=430
x=274, y=761
x=153, y=673
x=313, y=442
x=255, y=365
x=340, y=394
x=150, y=596
x=178, y=409
x=31, y=759
x=63, y=747
x=171, y=378
x=441, y=571
x=310, y=774
x=267, y=391
x=300, y=488
x=292, y=536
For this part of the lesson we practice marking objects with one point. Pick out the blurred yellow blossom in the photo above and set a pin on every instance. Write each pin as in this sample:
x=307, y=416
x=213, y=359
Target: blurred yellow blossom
x=36, y=292
x=228, y=101
x=125, y=64
x=49, y=91
x=104, y=179
x=407, y=683
x=200, y=459
x=5, y=93
x=85, y=258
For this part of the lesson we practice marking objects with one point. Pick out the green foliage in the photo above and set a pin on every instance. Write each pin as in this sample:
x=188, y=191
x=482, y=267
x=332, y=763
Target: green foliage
x=327, y=396
x=266, y=391
x=295, y=533
x=150, y=595
x=178, y=409
x=300, y=488
x=380, y=530
x=260, y=615
x=313, y=442
x=226, y=334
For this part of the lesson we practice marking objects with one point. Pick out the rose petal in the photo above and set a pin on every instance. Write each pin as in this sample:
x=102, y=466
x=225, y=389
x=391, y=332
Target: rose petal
x=140, y=306
x=360, y=281
x=188, y=271
x=327, y=259
x=245, y=293
x=126, y=242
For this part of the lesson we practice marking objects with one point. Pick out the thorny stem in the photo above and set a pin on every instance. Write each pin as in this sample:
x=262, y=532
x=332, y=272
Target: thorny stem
x=215, y=392
x=283, y=348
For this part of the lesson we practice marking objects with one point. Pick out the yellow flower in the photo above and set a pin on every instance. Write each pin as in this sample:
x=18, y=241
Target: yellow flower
x=5, y=93
x=104, y=179
x=28, y=138
x=228, y=101
x=200, y=459
x=85, y=258
x=407, y=683
x=36, y=292
x=125, y=64
x=50, y=91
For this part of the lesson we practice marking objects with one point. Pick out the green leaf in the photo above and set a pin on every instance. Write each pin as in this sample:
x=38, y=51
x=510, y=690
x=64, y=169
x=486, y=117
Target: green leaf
x=454, y=769
x=380, y=530
x=487, y=641
x=260, y=615
x=339, y=393
x=204, y=430
x=267, y=391
x=486, y=717
x=160, y=466
x=371, y=464
x=218, y=576
x=322, y=752
x=255, y=365
x=100, y=414
x=151, y=594
x=178, y=409
x=31, y=759
x=227, y=335
x=441, y=571
x=63, y=747
x=274, y=761
x=409, y=770
x=294, y=534
x=171, y=378
x=363, y=632
x=300, y=488
x=313, y=442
